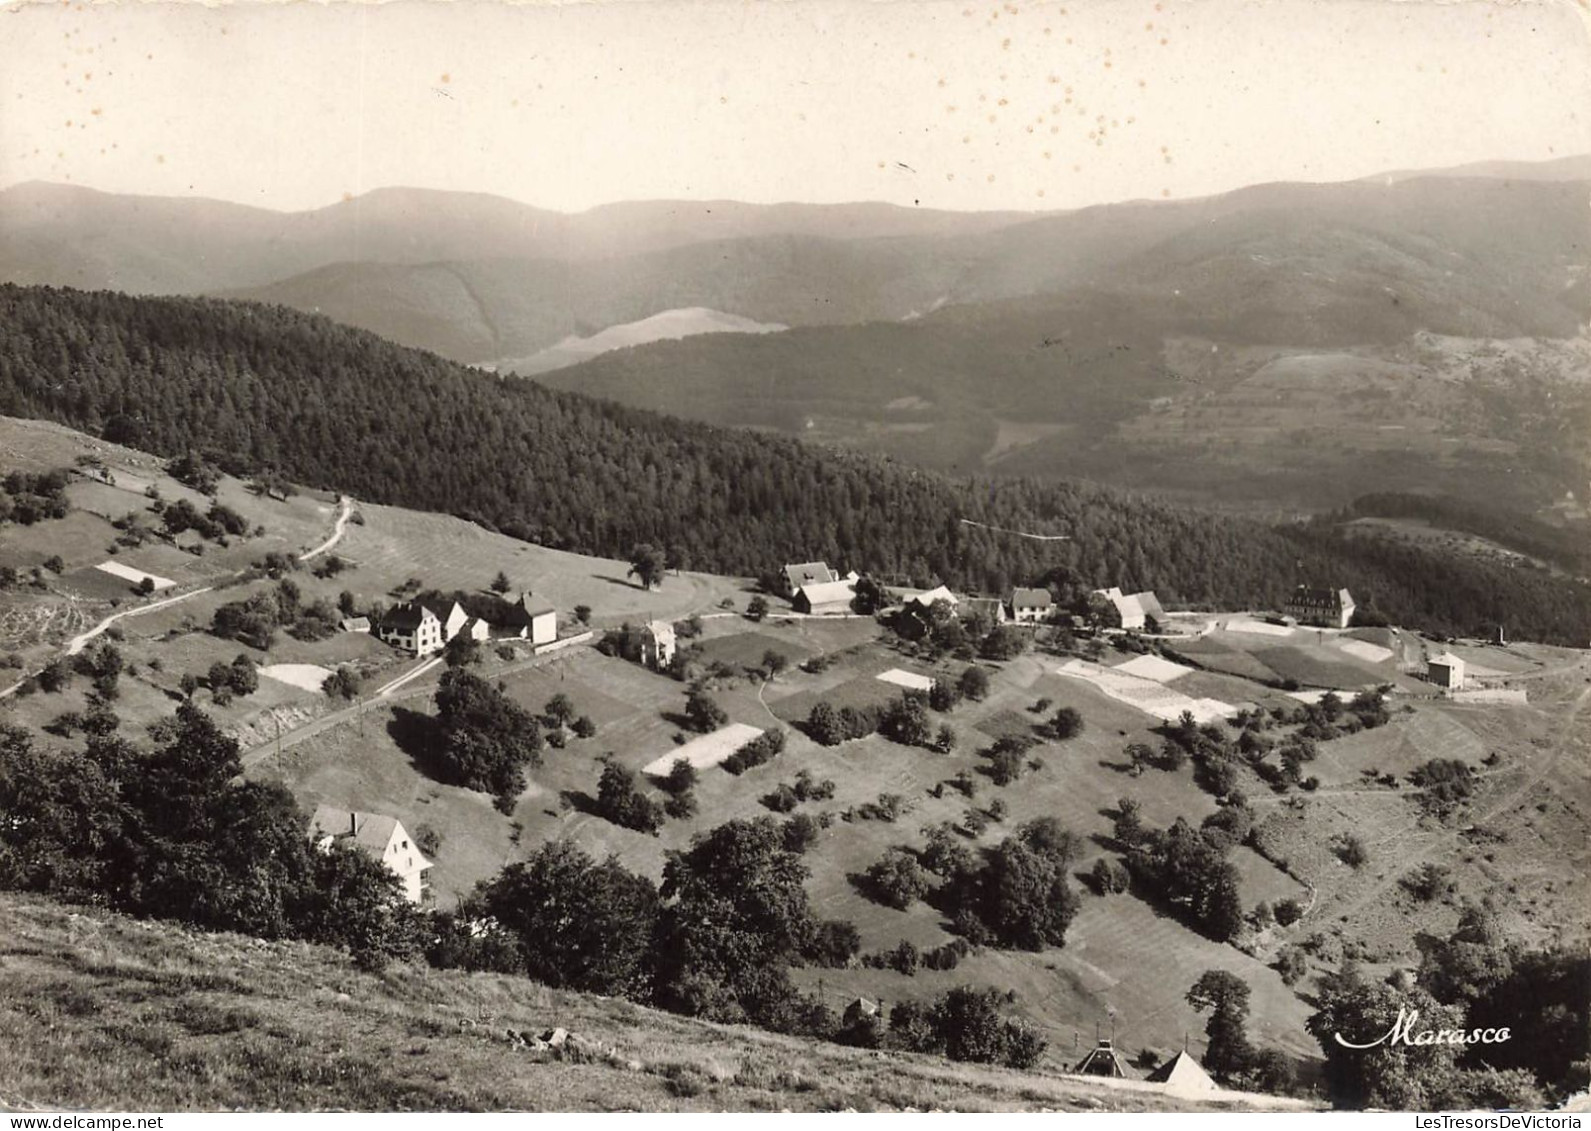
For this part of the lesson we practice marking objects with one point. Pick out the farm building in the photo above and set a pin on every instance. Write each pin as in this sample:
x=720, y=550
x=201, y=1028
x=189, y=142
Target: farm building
x=1446, y=670
x=657, y=644
x=808, y=573
x=1133, y=609
x=531, y=619
x=827, y=598
x=1102, y=1060
x=1326, y=608
x=991, y=607
x=926, y=599
x=476, y=629
x=1029, y=606
x=383, y=837
x=354, y=624
x=412, y=627
x=1183, y=1076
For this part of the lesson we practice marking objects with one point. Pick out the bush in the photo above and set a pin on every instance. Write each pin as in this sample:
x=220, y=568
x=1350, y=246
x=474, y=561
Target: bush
x=1287, y=912
x=764, y=748
x=974, y=683
x=1067, y=723
x=620, y=802
x=897, y=879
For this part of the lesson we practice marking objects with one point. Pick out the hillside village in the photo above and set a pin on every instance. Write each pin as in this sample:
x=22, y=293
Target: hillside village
x=451, y=703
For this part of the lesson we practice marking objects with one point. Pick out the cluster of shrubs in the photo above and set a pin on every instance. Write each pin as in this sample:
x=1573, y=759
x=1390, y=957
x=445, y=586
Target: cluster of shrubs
x=239, y=678
x=1188, y=869
x=101, y=662
x=906, y=957
x=1016, y=894
x=621, y=802
x=217, y=523
x=28, y=498
x=255, y=620
x=964, y=1024
x=1444, y=783
x=786, y=796
x=764, y=748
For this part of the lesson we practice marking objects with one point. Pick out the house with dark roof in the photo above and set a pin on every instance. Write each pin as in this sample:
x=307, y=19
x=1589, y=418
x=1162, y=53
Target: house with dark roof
x=412, y=627
x=1325, y=608
x=383, y=837
x=1030, y=606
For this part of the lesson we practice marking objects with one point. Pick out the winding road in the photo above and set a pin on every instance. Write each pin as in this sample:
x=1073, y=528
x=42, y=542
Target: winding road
x=82, y=639
x=345, y=512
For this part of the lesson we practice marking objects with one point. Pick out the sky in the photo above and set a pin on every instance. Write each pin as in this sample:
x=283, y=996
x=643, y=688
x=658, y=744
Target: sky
x=956, y=105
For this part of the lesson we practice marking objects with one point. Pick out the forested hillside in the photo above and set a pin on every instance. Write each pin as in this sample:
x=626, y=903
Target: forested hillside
x=262, y=387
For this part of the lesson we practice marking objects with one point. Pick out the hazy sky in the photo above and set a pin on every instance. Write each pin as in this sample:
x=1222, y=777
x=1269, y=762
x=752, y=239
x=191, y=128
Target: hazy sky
x=955, y=105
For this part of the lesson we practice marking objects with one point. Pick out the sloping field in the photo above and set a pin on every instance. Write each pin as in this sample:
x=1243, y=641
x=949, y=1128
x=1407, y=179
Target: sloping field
x=393, y=545
x=113, y=1014
x=1258, y=627
x=1313, y=669
x=135, y=575
x=1156, y=668
x=1409, y=740
x=305, y=677
x=708, y=750
x=746, y=649
x=1145, y=694
x=1370, y=653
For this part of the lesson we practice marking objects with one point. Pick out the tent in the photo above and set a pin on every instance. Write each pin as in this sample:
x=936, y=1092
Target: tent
x=1102, y=1061
x=1183, y=1075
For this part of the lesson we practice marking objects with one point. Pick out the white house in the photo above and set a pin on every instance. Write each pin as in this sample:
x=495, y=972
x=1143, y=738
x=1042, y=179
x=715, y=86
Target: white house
x=657, y=644
x=1029, y=606
x=1446, y=670
x=476, y=629
x=412, y=627
x=1134, y=609
x=1328, y=608
x=383, y=837
x=532, y=619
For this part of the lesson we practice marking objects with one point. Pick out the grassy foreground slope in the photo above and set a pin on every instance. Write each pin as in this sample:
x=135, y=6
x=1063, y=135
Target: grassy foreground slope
x=114, y=1013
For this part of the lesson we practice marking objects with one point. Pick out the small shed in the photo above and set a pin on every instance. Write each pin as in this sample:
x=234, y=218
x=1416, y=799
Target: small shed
x=1446, y=671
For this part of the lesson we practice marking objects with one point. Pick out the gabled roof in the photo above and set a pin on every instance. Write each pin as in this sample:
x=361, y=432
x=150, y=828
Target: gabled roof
x=406, y=617
x=522, y=611
x=928, y=597
x=808, y=573
x=368, y=830
x=1183, y=1074
x=355, y=624
x=661, y=631
x=1447, y=659
x=822, y=593
x=1031, y=599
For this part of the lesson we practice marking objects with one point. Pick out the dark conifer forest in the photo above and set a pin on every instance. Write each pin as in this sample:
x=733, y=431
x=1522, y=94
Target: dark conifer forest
x=259, y=388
